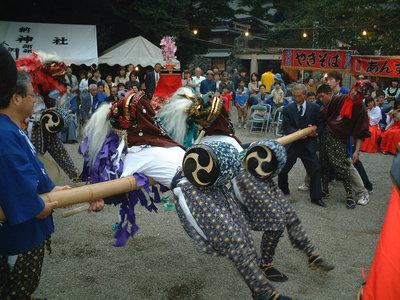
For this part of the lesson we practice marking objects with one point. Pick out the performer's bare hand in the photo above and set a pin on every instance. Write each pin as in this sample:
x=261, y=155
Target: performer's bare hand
x=47, y=210
x=355, y=157
x=96, y=206
x=58, y=188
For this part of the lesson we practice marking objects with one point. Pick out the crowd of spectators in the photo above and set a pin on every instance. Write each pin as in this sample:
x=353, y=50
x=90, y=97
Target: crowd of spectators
x=238, y=90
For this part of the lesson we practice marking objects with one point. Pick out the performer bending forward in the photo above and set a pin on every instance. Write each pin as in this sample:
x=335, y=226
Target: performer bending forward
x=152, y=152
x=261, y=200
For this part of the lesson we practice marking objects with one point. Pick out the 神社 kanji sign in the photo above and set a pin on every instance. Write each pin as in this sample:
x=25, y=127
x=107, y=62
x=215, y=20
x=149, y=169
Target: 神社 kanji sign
x=376, y=66
x=316, y=59
x=71, y=43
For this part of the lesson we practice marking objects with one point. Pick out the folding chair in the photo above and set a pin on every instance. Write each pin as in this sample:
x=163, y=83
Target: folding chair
x=260, y=114
x=275, y=117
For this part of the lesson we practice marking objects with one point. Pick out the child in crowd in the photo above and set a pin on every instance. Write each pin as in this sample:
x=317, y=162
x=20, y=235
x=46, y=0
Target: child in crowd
x=227, y=97
x=277, y=94
x=100, y=96
x=135, y=88
x=241, y=105
x=121, y=87
x=311, y=97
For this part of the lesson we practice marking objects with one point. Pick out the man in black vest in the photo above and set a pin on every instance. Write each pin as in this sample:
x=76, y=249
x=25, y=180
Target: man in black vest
x=298, y=115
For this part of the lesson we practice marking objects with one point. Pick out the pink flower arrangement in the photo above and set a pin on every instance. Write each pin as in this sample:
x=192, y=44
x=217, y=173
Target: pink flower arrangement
x=168, y=49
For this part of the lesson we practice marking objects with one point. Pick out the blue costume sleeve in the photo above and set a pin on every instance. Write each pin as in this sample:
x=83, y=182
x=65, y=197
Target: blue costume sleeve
x=19, y=197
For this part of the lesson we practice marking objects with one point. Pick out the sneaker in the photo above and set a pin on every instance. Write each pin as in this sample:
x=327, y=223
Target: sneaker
x=273, y=274
x=350, y=203
x=239, y=126
x=315, y=262
x=305, y=187
x=364, y=199
x=244, y=126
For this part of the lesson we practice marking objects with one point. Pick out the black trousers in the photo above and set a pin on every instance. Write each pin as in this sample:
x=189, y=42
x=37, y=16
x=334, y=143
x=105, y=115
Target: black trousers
x=363, y=174
x=311, y=164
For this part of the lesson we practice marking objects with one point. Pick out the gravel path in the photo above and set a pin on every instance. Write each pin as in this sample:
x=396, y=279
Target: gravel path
x=161, y=262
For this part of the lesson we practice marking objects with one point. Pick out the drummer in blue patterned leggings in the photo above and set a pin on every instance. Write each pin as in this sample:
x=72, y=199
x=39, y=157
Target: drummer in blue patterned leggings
x=267, y=210
x=213, y=218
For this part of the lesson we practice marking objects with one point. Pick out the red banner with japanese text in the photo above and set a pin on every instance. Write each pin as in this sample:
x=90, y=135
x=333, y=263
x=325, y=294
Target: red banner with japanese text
x=376, y=66
x=316, y=59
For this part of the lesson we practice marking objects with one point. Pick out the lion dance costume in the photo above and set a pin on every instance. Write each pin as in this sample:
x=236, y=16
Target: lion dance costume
x=126, y=138
x=259, y=198
x=47, y=72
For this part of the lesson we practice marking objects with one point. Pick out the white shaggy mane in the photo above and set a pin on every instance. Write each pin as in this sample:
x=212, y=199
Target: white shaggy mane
x=97, y=129
x=173, y=115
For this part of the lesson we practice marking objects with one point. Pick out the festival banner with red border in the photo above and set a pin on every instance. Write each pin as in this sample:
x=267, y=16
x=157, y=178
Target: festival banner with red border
x=376, y=66
x=316, y=59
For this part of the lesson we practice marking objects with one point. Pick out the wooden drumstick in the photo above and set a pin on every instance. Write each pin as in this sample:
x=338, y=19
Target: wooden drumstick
x=201, y=135
x=89, y=193
x=75, y=211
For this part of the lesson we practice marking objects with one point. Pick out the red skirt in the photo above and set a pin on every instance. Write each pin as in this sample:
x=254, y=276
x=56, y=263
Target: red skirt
x=371, y=144
x=390, y=138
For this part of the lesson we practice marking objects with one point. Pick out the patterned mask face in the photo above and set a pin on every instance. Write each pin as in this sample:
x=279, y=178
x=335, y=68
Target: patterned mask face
x=265, y=159
x=211, y=164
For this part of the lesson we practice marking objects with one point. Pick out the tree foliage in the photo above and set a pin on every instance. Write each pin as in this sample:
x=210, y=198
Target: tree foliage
x=334, y=24
x=117, y=20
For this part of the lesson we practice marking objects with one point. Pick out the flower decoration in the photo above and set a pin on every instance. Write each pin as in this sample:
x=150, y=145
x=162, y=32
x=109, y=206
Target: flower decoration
x=168, y=49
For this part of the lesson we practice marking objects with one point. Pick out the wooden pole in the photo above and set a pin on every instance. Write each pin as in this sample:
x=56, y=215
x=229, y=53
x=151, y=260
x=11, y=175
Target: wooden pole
x=89, y=193
x=300, y=134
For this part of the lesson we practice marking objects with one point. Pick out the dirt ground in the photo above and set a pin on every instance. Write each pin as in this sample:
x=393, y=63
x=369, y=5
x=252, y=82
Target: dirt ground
x=161, y=262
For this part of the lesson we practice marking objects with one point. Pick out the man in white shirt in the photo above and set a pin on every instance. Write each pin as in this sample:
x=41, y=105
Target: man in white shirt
x=71, y=80
x=197, y=79
x=152, y=79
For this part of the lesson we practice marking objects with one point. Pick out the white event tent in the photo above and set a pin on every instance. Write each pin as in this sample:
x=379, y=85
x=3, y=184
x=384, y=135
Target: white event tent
x=136, y=51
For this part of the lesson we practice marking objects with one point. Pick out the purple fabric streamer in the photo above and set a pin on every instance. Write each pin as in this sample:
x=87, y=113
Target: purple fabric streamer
x=106, y=165
x=105, y=168
x=127, y=209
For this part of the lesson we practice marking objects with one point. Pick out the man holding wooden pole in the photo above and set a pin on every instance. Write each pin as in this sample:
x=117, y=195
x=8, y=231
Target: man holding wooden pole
x=25, y=234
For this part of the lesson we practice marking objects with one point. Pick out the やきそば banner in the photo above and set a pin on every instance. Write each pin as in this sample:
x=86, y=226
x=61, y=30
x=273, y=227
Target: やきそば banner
x=316, y=59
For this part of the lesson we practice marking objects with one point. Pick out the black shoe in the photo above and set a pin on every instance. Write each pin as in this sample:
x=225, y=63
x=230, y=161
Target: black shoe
x=273, y=274
x=319, y=202
x=315, y=262
x=350, y=203
x=286, y=193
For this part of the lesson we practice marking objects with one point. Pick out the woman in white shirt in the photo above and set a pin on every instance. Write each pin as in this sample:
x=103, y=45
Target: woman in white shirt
x=375, y=115
x=121, y=78
x=254, y=84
